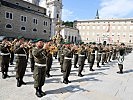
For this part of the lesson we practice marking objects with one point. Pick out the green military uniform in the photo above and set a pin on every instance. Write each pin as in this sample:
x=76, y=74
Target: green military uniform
x=103, y=55
x=110, y=52
x=67, y=63
x=39, y=69
x=49, y=61
x=107, y=53
x=99, y=54
x=81, y=60
x=61, y=57
x=32, y=62
x=5, y=59
x=21, y=63
x=75, y=58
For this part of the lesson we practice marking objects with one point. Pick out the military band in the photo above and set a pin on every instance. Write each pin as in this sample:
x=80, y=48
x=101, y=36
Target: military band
x=40, y=55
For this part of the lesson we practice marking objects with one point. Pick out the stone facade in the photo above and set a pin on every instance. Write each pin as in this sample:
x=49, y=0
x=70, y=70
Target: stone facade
x=22, y=18
x=110, y=30
x=70, y=34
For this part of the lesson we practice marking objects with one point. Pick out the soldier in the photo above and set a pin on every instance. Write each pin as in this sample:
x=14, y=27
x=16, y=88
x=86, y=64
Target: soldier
x=61, y=57
x=104, y=53
x=75, y=57
x=107, y=53
x=92, y=56
x=21, y=60
x=110, y=52
x=99, y=53
x=67, y=63
x=5, y=53
x=32, y=62
x=121, y=58
x=81, y=60
x=49, y=59
x=39, y=74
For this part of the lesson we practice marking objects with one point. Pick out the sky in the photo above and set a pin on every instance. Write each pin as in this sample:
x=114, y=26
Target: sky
x=86, y=9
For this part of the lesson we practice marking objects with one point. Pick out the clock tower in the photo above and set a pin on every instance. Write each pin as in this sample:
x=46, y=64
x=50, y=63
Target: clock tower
x=54, y=11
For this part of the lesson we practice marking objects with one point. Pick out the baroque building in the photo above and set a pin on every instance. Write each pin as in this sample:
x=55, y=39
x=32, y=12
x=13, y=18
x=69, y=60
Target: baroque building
x=110, y=30
x=18, y=17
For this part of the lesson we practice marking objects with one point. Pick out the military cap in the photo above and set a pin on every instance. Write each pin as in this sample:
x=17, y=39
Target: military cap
x=122, y=44
x=67, y=43
x=94, y=43
x=20, y=37
x=38, y=39
x=90, y=42
x=99, y=44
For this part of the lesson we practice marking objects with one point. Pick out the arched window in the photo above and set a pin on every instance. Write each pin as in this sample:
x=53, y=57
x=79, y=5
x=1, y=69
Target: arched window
x=45, y=31
x=23, y=28
x=9, y=26
x=34, y=30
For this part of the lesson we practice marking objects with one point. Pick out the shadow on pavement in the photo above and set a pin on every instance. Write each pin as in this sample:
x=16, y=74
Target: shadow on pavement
x=86, y=79
x=128, y=71
x=70, y=88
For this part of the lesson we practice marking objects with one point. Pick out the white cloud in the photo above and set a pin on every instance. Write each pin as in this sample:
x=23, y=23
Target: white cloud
x=115, y=8
x=67, y=14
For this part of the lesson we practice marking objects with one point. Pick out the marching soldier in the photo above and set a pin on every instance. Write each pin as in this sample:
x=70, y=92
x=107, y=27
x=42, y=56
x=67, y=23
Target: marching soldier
x=67, y=63
x=5, y=53
x=107, y=53
x=92, y=56
x=114, y=55
x=121, y=58
x=104, y=53
x=61, y=57
x=110, y=52
x=21, y=60
x=32, y=62
x=75, y=57
x=81, y=60
x=49, y=59
x=99, y=54
x=39, y=74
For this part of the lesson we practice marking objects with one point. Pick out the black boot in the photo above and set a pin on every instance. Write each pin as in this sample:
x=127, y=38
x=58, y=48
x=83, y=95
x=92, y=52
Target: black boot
x=98, y=65
x=3, y=75
x=22, y=82
x=18, y=82
x=75, y=66
x=38, y=94
x=68, y=80
x=65, y=81
x=80, y=75
x=6, y=75
x=42, y=93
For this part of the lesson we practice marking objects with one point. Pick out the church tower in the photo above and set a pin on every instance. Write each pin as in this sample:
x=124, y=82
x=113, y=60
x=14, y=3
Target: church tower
x=54, y=11
x=97, y=15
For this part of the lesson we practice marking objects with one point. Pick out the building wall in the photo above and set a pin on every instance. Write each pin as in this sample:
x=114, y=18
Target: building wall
x=70, y=34
x=35, y=13
x=110, y=30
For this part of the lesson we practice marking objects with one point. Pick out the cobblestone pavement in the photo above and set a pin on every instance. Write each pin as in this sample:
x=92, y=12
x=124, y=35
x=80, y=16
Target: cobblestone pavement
x=102, y=84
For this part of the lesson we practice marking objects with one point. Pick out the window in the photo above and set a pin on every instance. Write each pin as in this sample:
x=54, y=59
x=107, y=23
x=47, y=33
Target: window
x=119, y=27
x=8, y=26
x=93, y=27
x=34, y=30
x=57, y=15
x=35, y=21
x=23, y=18
x=45, y=23
x=23, y=28
x=8, y=15
x=45, y=31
